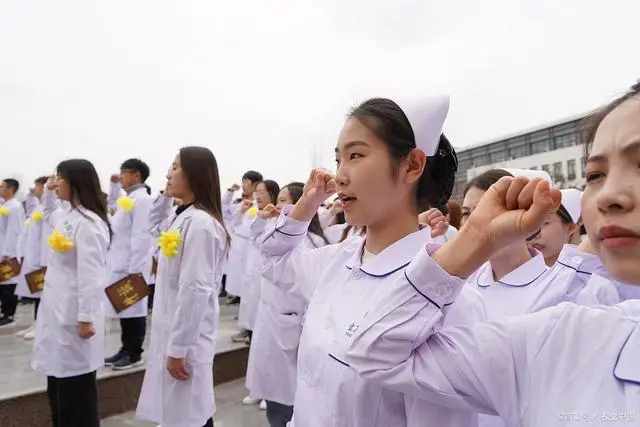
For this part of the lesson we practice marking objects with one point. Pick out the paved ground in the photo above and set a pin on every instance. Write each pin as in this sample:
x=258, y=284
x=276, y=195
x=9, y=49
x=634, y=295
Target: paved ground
x=230, y=410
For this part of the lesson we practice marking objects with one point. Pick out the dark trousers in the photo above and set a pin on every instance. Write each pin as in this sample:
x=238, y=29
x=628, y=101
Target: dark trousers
x=278, y=414
x=8, y=300
x=152, y=292
x=74, y=401
x=36, y=305
x=209, y=423
x=132, y=335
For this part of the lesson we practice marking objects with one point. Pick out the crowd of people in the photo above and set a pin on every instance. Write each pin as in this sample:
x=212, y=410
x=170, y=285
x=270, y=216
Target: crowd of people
x=367, y=296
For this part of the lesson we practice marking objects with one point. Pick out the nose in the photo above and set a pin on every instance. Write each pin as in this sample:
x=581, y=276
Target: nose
x=616, y=194
x=342, y=179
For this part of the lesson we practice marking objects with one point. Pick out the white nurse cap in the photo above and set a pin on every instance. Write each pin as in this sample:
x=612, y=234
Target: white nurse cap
x=571, y=199
x=427, y=118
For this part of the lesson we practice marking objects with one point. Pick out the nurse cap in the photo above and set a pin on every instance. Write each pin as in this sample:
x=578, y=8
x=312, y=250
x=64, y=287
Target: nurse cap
x=426, y=117
x=529, y=173
x=571, y=199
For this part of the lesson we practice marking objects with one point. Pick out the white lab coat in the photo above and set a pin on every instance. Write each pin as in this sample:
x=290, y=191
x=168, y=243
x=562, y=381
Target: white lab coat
x=332, y=278
x=184, y=324
x=130, y=250
x=534, y=370
x=238, y=254
x=31, y=250
x=10, y=229
x=271, y=370
x=252, y=278
x=74, y=288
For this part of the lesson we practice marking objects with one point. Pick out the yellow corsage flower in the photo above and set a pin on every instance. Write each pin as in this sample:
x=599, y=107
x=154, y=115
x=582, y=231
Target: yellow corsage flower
x=252, y=212
x=27, y=223
x=126, y=203
x=37, y=216
x=4, y=211
x=59, y=242
x=168, y=242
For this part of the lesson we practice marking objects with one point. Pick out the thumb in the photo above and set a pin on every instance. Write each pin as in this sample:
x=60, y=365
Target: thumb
x=546, y=201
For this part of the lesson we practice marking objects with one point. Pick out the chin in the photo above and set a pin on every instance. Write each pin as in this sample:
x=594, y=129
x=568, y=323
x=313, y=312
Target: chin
x=352, y=218
x=625, y=270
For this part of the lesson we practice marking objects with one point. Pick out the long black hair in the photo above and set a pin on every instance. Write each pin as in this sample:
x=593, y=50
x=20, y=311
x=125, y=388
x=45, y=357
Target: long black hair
x=201, y=169
x=295, y=190
x=389, y=123
x=84, y=185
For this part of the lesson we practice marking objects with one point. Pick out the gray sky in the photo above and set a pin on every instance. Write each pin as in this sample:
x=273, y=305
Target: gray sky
x=265, y=84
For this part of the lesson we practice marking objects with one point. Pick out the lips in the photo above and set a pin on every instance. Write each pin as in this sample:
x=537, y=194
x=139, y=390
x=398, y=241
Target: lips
x=347, y=201
x=614, y=236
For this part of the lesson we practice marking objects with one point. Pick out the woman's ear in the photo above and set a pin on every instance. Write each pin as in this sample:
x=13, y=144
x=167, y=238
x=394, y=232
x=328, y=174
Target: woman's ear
x=416, y=162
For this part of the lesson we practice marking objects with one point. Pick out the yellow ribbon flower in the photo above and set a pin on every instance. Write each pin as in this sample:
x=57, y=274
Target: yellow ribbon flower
x=168, y=242
x=252, y=212
x=37, y=216
x=126, y=203
x=27, y=223
x=59, y=242
x=4, y=211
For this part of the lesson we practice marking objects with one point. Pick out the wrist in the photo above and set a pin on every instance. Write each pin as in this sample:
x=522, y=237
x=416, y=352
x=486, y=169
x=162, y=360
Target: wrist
x=464, y=253
x=304, y=209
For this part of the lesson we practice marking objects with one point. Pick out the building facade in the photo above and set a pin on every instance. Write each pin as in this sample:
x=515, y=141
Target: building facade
x=555, y=148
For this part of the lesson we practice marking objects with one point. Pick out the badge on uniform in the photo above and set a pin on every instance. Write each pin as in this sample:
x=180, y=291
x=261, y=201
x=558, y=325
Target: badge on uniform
x=127, y=292
x=35, y=280
x=9, y=269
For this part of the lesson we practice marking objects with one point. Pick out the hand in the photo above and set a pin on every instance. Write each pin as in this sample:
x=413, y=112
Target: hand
x=5, y=258
x=245, y=206
x=52, y=183
x=178, y=368
x=510, y=211
x=269, y=211
x=86, y=330
x=115, y=178
x=320, y=186
x=435, y=220
x=235, y=187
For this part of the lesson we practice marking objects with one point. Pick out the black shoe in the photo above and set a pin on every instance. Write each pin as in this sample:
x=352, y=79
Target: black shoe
x=6, y=321
x=127, y=362
x=109, y=361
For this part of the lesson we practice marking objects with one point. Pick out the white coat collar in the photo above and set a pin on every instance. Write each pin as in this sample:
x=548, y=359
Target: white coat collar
x=393, y=258
x=11, y=202
x=524, y=275
x=627, y=367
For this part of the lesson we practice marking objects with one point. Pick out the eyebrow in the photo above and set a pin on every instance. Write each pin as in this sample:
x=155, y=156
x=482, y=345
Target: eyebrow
x=352, y=144
x=628, y=149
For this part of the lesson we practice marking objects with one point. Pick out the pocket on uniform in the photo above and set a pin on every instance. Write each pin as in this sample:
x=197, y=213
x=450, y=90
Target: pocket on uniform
x=289, y=331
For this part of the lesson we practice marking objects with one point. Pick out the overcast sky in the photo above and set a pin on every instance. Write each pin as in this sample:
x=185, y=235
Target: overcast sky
x=265, y=83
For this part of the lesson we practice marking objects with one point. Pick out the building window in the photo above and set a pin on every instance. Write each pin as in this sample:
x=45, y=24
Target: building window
x=564, y=141
x=499, y=156
x=557, y=169
x=481, y=160
x=571, y=170
x=516, y=152
x=547, y=169
x=534, y=168
x=540, y=146
x=582, y=167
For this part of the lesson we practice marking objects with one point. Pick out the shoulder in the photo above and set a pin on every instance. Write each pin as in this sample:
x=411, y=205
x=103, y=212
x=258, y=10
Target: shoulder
x=89, y=222
x=202, y=222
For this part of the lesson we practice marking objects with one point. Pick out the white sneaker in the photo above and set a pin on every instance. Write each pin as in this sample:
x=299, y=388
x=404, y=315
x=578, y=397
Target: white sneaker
x=30, y=335
x=263, y=405
x=23, y=332
x=250, y=401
